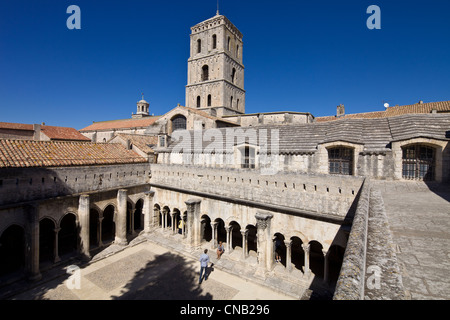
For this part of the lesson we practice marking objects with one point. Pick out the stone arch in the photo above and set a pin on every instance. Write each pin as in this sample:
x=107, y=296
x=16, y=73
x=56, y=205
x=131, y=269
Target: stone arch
x=297, y=253
x=108, y=224
x=252, y=239
x=279, y=248
x=221, y=231
x=235, y=235
x=94, y=226
x=68, y=234
x=206, y=229
x=138, y=216
x=157, y=214
x=47, y=226
x=167, y=221
x=316, y=258
x=12, y=249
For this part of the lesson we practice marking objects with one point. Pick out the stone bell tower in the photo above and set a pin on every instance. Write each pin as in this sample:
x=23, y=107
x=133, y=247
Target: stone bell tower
x=215, y=81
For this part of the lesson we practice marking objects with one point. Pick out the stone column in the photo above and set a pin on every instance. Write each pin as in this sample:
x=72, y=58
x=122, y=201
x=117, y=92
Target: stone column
x=306, y=250
x=121, y=218
x=174, y=224
x=214, y=243
x=147, y=209
x=193, y=221
x=288, y=244
x=32, y=242
x=56, y=246
x=325, y=266
x=100, y=220
x=83, y=213
x=229, y=230
x=265, y=244
x=244, y=244
x=184, y=217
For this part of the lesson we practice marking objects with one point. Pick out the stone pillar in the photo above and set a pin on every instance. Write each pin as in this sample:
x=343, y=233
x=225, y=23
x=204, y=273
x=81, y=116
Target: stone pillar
x=184, y=217
x=56, y=245
x=265, y=244
x=83, y=213
x=174, y=224
x=147, y=209
x=193, y=222
x=306, y=250
x=244, y=244
x=214, y=243
x=229, y=230
x=325, y=266
x=288, y=244
x=100, y=242
x=32, y=243
x=121, y=218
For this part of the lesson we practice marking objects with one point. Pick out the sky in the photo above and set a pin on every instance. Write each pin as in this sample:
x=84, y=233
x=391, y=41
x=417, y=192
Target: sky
x=303, y=56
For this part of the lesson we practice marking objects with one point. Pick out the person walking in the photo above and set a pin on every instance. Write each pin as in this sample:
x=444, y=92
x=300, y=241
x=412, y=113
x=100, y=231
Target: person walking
x=204, y=260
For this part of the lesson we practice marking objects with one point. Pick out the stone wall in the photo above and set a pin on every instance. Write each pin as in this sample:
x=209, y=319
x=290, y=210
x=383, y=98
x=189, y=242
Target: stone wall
x=29, y=184
x=370, y=269
x=324, y=194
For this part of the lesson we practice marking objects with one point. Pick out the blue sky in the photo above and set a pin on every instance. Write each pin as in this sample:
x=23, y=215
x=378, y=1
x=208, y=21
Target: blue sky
x=307, y=56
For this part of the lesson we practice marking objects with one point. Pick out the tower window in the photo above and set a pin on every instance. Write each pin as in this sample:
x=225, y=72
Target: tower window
x=237, y=51
x=205, y=73
x=228, y=43
x=214, y=41
x=231, y=102
x=199, y=46
x=209, y=100
x=233, y=74
x=198, y=101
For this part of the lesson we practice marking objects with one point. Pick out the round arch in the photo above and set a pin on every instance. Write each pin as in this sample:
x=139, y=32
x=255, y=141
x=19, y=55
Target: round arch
x=47, y=227
x=12, y=249
x=68, y=234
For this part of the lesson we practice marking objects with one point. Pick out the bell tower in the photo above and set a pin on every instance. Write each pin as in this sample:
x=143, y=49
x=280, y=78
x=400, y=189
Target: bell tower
x=215, y=81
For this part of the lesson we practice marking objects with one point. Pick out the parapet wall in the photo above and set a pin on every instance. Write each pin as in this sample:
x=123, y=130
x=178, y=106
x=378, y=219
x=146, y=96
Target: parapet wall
x=333, y=195
x=369, y=268
x=28, y=184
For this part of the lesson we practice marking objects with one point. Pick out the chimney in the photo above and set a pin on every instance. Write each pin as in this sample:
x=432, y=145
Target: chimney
x=340, y=111
x=420, y=102
x=37, y=132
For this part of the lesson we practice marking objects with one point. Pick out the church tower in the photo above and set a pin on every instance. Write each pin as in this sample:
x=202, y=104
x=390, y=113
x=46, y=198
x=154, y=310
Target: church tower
x=215, y=81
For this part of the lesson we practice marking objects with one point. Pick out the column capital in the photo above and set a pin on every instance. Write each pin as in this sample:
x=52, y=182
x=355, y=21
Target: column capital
x=263, y=219
x=306, y=246
x=244, y=232
x=288, y=243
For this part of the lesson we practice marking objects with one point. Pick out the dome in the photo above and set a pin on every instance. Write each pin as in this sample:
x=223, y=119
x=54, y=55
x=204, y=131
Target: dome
x=143, y=101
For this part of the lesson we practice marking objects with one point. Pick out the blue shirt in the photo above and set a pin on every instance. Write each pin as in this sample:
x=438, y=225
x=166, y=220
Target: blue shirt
x=204, y=259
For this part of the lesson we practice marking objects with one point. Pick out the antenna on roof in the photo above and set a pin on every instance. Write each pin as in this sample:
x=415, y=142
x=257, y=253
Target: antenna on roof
x=386, y=105
x=217, y=13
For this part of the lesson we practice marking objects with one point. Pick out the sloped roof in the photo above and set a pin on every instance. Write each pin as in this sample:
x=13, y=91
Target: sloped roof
x=121, y=124
x=53, y=132
x=141, y=141
x=29, y=153
x=373, y=134
x=441, y=106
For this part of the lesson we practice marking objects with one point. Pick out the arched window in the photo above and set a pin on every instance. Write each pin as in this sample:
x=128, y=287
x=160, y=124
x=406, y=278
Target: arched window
x=178, y=123
x=214, y=41
x=205, y=73
x=237, y=104
x=233, y=75
x=198, y=101
x=340, y=160
x=231, y=102
x=229, y=44
x=209, y=100
x=418, y=162
x=237, y=51
x=199, y=46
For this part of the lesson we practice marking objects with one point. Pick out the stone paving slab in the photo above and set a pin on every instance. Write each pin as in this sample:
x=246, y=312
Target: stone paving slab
x=419, y=219
x=147, y=271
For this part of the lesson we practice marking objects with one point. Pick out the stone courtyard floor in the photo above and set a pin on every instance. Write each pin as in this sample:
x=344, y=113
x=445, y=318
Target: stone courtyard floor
x=419, y=220
x=148, y=271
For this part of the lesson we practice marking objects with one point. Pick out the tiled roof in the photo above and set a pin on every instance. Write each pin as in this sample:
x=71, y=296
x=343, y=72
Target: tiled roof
x=63, y=133
x=121, y=124
x=441, y=106
x=54, y=133
x=142, y=142
x=29, y=153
